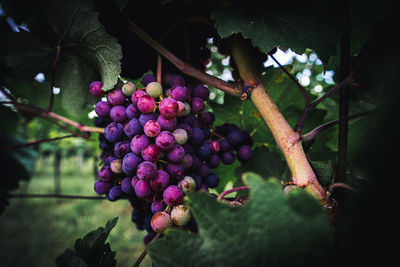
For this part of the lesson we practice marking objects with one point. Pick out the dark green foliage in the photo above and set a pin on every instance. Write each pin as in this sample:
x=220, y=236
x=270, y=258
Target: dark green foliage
x=91, y=250
x=270, y=230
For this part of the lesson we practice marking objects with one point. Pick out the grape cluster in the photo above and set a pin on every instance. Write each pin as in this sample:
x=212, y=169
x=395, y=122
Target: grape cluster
x=159, y=144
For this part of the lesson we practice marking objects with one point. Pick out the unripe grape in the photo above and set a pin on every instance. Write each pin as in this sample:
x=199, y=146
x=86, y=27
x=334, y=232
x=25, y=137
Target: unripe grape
x=180, y=215
x=154, y=89
x=181, y=136
x=128, y=88
x=160, y=222
x=187, y=184
x=116, y=165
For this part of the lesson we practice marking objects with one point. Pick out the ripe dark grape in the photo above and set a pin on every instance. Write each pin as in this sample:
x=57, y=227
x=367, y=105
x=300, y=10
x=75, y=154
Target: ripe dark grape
x=173, y=195
x=126, y=185
x=179, y=93
x=117, y=114
x=146, y=170
x=203, y=151
x=160, y=181
x=152, y=128
x=165, y=140
x=167, y=124
x=244, y=153
x=228, y=157
x=211, y=180
x=168, y=108
x=130, y=163
x=197, y=137
x=197, y=105
x=176, y=170
x=235, y=137
x=151, y=152
x=146, y=104
x=139, y=142
x=121, y=148
x=176, y=154
x=105, y=173
x=101, y=187
x=148, y=78
x=132, y=112
x=213, y=161
x=157, y=206
x=136, y=95
x=116, y=97
x=133, y=128
x=114, y=131
x=176, y=80
x=201, y=92
x=143, y=118
x=143, y=189
x=115, y=193
x=95, y=89
x=102, y=109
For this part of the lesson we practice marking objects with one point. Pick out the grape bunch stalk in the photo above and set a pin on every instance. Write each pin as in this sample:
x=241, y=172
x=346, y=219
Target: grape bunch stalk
x=158, y=145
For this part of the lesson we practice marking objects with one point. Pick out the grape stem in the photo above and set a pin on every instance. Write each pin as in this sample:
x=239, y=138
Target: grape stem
x=159, y=68
x=38, y=142
x=227, y=192
x=144, y=253
x=287, y=139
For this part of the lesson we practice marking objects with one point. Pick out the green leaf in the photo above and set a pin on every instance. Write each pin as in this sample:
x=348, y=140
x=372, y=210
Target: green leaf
x=284, y=27
x=265, y=163
x=91, y=250
x=272, y=229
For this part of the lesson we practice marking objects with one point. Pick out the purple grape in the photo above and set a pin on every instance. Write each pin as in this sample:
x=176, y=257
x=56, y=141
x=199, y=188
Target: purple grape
x=146, y=104
x=203, y=151
x=167, y=124
x=197, y=105
x=161, y=181
x=146, y=170
x=189, y=119
x=247, y=140
x=132, y=128
x=244, y=153
x=197, y=137
x=175, y=170
x=121, y=148
x=165, y=140
x=100, y=122
x=213, y=161
x=148, y=78
x=202, y=92
x=196, y=162
x=203, y=170
x=158, y=206
x=132, y=112
x=152, y=128
x=117, y=114
x=160, y=222
x=215, y=146
x=228, y=157
x=126, y=185
x=136, y=95
x=115, y=193
x=114, y=132
x=189, y=149
x=151, y=152
x=185, y=127
x=134, y=180
x=176, y=80
x=235, y=137
x=102, y=109
x=197, y=179
x=206, y=118
x=173, y=195
x=182, y=111
x=138, y=143
x=95, y=89
x=176, y=154
x=211, y=180
x=149, y=237
x=143, y=189
x=168, y=108
x=116, y=97
x=143, y=118
x=130, y=163
x=101, y=187
x=224, y=145
x=179, y=93
x=187, y=161
x=206, y=131
x=105, y=174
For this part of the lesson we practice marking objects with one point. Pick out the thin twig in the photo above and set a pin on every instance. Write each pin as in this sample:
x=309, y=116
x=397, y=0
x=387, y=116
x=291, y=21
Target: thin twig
x=37, y=142
x=301, y=88
x=55, y=196
x=342, y=185
x=182, y=66
x=159, y=68
x=223, y=194
x=144, y=253
x=314, y=132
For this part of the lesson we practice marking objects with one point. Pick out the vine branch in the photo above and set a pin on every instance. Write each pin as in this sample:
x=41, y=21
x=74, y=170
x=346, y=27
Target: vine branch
x=182, y=66
x=38, y=142
x=227, y=192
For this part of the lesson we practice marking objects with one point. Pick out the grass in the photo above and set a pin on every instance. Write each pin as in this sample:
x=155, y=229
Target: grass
x=35, y=231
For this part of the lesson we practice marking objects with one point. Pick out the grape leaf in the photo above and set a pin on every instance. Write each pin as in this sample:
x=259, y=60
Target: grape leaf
x=284, y=27
x=91, y=250
x=272, y=229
